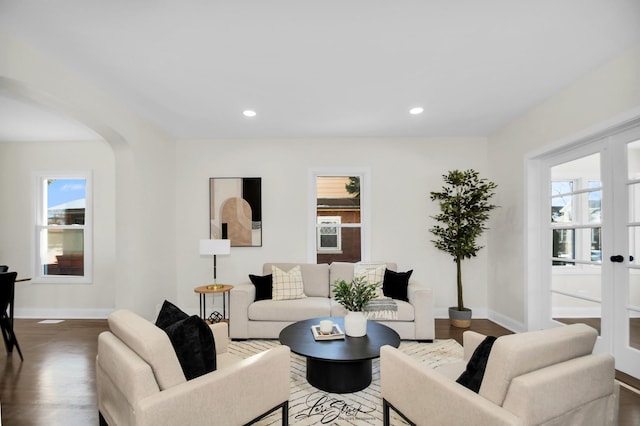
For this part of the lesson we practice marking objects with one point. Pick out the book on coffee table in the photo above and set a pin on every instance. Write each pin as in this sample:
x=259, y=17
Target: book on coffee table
x=336, y=333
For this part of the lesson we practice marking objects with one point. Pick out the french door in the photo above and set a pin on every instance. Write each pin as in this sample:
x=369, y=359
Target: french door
x=590, y=229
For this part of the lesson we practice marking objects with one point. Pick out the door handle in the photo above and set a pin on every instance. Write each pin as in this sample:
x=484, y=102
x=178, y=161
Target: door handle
x=618, y=258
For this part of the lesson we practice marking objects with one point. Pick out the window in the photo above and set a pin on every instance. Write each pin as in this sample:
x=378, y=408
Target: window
x=339, y=216
x=63, y=228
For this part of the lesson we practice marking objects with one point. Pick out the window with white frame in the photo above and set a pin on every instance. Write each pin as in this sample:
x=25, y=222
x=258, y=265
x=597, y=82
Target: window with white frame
x=339, y=215
x=63, y=229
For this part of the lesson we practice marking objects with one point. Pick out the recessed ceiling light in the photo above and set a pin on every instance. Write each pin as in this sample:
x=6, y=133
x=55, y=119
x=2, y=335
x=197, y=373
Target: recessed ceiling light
x=249, y=113
x=416, y=110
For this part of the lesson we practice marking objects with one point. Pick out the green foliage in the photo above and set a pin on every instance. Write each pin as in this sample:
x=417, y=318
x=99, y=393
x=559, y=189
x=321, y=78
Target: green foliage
x=353, y=187
x=354, y=295
x=464, y=209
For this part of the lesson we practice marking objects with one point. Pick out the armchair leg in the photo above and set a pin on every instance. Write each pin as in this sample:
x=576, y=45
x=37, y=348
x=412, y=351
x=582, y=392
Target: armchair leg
x=385, y=412
x=386, y=417
x=285, y=414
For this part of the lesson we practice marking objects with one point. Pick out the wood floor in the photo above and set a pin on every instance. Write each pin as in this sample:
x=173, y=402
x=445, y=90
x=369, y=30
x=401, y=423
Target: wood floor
x=55, y=385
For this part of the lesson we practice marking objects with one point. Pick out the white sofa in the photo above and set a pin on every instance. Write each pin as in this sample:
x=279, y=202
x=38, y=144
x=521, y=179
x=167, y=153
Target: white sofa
x=140, y=380
x=546, y=377
x=251, y=319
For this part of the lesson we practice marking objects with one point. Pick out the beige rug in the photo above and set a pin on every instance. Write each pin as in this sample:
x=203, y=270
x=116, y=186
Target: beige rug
x=311, y=406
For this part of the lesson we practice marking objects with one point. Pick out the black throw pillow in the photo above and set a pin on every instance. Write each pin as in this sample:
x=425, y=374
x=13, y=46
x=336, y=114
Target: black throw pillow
x=395, y=284
x=264, y=286
x=169, y=314
x=472, y=376
x=191, y=339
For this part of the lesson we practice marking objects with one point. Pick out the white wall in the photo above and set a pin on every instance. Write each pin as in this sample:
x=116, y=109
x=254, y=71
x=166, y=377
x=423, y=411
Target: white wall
x=144, y=172
x=611, y=91
x=18, y=164
x=403, y=172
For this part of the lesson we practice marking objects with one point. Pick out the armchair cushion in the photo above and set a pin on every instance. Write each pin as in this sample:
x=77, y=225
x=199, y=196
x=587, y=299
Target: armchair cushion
x=191, y=339
x=169, y=314
x=472, y=376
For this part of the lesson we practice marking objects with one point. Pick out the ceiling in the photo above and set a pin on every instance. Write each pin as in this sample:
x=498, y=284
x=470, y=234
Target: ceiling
x=315, y=69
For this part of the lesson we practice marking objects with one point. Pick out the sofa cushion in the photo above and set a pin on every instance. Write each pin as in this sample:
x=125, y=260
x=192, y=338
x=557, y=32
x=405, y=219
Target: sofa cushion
x=517, y=354
x=150, y=343
x=287, y=285
x=169, y=314
x=290, y=310
x=264, y=286
x=345, y=271
x=194, y=345
x=315, y=277
x=191, y=339
x=395, y=284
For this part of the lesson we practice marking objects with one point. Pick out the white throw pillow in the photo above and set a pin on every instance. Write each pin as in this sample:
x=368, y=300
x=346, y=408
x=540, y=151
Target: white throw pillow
x=287, y=285
x=373, y=273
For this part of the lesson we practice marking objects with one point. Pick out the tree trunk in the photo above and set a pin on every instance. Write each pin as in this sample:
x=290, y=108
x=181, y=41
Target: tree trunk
x=459, y=271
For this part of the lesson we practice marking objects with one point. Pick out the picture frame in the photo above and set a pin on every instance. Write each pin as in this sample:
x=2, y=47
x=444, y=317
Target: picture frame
x=235, y=210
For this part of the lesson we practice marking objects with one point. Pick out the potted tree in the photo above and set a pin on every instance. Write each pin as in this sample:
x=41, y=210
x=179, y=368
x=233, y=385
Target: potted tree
x=464, y=209
x=354, y=296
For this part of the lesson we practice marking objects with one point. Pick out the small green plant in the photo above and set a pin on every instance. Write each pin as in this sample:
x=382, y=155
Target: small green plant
x=354, y=296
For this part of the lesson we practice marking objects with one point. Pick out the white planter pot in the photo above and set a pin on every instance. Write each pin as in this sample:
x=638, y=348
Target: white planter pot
x=355, y=324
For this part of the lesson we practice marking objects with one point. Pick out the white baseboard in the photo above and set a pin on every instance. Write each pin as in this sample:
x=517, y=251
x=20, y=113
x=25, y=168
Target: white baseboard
x=506, y=322
x=48, y=313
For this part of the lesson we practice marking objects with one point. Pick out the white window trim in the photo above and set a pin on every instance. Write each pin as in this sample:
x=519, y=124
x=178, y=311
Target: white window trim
x=365, y=207
x=38, y=216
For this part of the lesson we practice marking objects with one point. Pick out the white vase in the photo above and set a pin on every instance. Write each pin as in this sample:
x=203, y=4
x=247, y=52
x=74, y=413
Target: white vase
x=355, y=324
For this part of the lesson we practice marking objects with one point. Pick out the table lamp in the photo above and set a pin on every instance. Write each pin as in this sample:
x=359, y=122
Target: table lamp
x=215, y=247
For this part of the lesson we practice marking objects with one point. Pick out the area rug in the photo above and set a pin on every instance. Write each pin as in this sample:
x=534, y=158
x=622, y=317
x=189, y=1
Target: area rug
x=311, y=406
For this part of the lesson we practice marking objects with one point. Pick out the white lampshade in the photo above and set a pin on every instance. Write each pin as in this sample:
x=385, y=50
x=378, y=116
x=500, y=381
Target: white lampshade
x=213, y=247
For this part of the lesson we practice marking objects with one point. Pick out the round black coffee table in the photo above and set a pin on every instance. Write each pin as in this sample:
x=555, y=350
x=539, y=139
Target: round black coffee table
x=338, y=366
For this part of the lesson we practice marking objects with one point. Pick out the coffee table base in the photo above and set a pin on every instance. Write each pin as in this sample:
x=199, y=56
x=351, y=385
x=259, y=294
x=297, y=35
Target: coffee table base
x=339, y=377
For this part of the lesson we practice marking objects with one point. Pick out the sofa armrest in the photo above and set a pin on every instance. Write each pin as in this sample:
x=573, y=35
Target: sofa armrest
x=234, y=395
x=421, y=298
x=240, y=297
x=220, y=332
x=427, y=397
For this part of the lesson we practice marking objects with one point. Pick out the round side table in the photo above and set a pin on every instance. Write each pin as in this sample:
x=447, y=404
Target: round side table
x=213, y=289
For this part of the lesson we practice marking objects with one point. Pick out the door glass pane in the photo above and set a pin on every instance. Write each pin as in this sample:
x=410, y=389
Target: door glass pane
x=563, y=246
x=633, y=160
x=561, y=201
x=575, y=201
x=633, y=305
x=634, y=308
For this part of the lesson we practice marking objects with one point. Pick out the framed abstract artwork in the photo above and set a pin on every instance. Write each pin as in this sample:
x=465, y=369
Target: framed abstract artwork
x=235, y=210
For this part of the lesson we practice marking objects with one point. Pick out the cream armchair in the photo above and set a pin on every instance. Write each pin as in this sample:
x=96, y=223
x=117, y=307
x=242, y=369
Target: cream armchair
x=546, y=377
x=140, y=381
